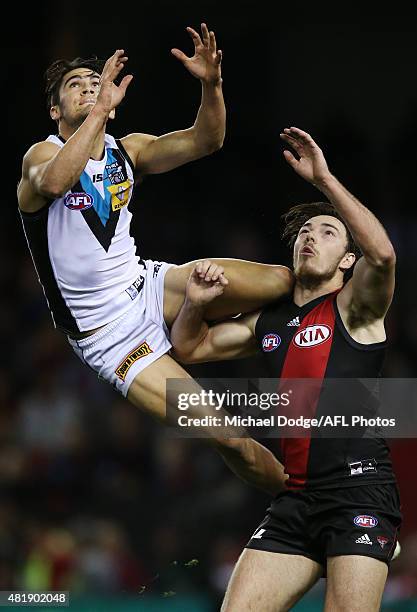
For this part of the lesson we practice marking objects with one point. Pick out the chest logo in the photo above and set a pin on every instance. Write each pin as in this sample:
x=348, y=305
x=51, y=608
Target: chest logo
x=120, y=194
x=270, y=342
x=78, y=201
x=294, y=322
x=312, y=336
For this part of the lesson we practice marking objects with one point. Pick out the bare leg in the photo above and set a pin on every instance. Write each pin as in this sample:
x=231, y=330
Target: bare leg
x=247, y=458
x=269, y=582
x=251, y=285
x=355, y=583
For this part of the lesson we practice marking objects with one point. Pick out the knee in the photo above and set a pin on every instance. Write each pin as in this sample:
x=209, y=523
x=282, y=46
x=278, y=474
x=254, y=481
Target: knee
x=284, y=278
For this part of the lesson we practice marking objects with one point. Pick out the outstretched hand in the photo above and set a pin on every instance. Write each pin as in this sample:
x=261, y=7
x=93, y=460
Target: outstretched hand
x=206, y=282
x=311, y=163
x=206, y=61
x=110, y=94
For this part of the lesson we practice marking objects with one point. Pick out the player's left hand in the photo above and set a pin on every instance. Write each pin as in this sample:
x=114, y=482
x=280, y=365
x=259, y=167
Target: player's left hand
x=207, y=281
x=311, y=164
x=206, y=61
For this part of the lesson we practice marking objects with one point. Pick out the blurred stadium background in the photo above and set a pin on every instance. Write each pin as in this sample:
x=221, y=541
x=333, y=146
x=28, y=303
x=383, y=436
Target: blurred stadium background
x=94, y=497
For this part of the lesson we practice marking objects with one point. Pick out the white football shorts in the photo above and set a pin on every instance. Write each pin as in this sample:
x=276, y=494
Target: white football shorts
x=126, y=346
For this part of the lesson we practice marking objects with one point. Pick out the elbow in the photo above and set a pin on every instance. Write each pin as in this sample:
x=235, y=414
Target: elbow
x=181, y=357
x=211, y=145
x=51, y=190
x=219, y=143
x=386, y=259
x=391, y=259
x=216, y=144
x=283, y=279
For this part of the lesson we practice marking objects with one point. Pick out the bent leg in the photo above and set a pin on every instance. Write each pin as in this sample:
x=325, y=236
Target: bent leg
x=248, y=459
x=251, y=286
x=271, y=582
x=355, y=583
x=148, y=389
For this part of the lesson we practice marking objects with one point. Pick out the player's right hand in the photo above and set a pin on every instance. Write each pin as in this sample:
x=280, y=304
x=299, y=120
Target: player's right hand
x=207, y=281
x=311, y=163
x=111, y=95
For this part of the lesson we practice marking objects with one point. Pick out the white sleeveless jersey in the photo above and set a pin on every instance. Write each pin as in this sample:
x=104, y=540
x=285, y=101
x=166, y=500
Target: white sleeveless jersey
x=81, y=245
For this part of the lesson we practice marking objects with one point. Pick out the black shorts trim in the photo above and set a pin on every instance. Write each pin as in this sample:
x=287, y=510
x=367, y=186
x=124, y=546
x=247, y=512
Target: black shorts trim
x=274, y=547
x=361, y=521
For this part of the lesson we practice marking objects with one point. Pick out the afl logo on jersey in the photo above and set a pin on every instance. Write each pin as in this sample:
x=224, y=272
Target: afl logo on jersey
x=364, y=520
x=270, y=342
x=79, y=201
x=312, y=336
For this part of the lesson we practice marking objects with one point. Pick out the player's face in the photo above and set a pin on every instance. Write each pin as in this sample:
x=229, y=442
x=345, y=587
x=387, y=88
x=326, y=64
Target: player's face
x=320, y=249
x=77, y=95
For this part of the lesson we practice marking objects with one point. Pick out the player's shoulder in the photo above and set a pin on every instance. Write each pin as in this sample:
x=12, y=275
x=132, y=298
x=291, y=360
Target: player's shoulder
x=40, y=152
x=137, y=139
x=136, y=142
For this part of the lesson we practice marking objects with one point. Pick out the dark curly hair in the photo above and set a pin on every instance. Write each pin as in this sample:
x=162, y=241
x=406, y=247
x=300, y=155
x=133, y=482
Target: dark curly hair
x=295, y=218
x=56, y=72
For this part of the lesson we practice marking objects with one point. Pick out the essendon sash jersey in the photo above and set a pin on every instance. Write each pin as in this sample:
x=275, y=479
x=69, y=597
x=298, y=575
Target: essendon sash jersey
x=311, y=342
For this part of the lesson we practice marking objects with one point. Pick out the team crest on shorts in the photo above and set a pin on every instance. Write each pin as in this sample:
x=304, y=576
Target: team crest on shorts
x=140, y=351
x=382, y=540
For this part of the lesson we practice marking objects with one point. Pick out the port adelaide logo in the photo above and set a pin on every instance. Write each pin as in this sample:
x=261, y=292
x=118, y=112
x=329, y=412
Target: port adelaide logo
x=270, y=342
x=364, y=520
x=312, y=336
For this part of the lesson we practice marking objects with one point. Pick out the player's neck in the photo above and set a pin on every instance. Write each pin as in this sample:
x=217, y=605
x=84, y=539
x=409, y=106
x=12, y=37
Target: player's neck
x=304, y=294
x=97, y=149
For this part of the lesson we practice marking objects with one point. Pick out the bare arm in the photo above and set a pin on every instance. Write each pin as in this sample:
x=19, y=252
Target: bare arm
x=49, y=171
x=369, y=293
x=253, y=463
x=193, y=340
x=153, y=155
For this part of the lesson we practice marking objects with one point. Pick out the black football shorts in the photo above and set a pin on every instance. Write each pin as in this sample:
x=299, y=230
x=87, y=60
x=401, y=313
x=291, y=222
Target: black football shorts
x=330, y=522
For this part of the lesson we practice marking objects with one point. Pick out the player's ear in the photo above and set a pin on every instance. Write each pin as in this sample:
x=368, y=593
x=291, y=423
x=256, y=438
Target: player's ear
x=55, y=113
x=347, y=261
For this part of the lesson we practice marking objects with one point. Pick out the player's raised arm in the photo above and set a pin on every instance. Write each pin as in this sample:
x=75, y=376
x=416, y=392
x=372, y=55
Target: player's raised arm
x=153, y=154
x=369, y=293
x=49, y=171
x=192, y=339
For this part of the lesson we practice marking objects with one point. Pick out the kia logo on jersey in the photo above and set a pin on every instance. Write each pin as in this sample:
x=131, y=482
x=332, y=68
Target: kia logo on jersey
x=312, y=336
x=79, y=201
x=270, y=342
x=364, y=520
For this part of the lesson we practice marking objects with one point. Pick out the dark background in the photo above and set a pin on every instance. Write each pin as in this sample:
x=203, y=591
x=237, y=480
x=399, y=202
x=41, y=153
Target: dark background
x=92, y=494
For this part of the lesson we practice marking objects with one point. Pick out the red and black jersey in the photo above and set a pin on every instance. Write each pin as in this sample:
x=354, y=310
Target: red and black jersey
x=311, y=341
